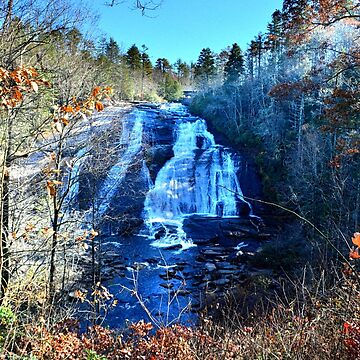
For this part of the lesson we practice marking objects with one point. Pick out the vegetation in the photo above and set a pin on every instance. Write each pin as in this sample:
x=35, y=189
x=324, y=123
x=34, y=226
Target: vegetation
x=292, y=99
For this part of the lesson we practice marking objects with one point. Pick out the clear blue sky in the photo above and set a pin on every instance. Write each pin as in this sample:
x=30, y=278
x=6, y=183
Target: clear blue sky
x=181, y=28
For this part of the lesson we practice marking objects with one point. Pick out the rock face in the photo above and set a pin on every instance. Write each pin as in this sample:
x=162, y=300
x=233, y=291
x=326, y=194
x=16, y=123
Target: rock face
x=151, y=155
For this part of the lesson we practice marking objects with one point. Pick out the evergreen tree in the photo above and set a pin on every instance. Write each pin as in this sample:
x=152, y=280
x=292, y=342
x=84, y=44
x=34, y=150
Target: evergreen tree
x=205, y=67
x=133, y=57
x=295, y=14
x=182, y=71
x=112, y=51
x=235, y=65
x=172, y=89
x=275, y=31
x=256, y=50
x=163, y=65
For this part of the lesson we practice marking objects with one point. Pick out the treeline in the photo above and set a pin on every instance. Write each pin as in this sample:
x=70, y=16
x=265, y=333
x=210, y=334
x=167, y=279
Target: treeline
x=293, y=97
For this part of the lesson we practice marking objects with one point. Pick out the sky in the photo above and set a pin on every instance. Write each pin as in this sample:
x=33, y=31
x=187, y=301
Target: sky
x=181, y=28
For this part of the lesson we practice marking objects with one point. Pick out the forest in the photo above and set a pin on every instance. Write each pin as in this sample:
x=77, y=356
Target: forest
x=289, y=103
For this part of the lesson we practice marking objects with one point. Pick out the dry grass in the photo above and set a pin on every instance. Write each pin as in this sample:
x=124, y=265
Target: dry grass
x=312, y=324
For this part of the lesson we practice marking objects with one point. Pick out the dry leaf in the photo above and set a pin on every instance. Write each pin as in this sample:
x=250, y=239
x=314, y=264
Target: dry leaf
x=356, y=239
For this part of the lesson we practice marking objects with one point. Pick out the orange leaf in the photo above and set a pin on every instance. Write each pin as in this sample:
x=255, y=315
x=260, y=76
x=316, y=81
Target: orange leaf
x=356, y=239
x=51, y=188
x=99, y=106
x=17, y=94
x=65, y=121
x=96, y=91
x=354, y=254
x=68, y=108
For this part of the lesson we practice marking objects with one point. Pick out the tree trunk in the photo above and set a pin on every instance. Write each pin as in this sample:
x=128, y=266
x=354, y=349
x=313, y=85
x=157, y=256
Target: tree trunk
x=5, y=213
x=9, y=12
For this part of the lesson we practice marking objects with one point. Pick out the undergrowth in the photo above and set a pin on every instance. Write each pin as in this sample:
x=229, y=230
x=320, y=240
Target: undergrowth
x=311, y=323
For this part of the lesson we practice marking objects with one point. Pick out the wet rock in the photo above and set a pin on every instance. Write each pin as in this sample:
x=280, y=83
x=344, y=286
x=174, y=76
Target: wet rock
x=243, y=208
x=179, y=267
x=170, y=274
x=222, y=282
x=140, y=265
x=210, y=267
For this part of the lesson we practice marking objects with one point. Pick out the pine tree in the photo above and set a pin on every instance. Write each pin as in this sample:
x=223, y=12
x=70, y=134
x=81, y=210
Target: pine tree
x=133, y=57
x=112, y=51
x=235, y=65
x=162, y=65
x=256, y=50
x=275, y=31
x=205, y=67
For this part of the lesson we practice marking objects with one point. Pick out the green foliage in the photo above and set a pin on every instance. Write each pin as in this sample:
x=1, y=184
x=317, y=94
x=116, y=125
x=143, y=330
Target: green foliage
x=173, y=89
x=7, y=317
x=133, y=58
x=205, y=67
x=234, y=67
x=92, y=355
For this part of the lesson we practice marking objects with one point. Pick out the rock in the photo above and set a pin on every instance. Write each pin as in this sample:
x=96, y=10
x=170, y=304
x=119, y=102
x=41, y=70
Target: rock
x=243, y=208
x=170, y=274
x=140, y=266
x=210, y=267
x=222, y=282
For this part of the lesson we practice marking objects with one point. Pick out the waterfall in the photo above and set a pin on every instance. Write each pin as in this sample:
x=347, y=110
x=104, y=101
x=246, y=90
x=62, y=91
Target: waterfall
x=196, y=180
x=73, y=179
x=132, y=141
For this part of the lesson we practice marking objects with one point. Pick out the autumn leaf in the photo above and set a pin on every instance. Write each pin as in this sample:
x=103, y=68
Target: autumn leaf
x=51, y=188
x=68, y=109
x=78, y=294
x=96, y=91
x=99, y=106
x=65, y=121
x=17, y=94
x=354, y=254
x=356, y=239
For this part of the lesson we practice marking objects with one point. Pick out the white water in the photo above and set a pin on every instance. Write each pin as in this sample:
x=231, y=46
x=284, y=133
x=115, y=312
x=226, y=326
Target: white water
x=131, y=139
x=196, y=180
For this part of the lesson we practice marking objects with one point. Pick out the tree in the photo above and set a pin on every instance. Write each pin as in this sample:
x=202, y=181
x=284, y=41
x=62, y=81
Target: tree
x=15, y=85
x=143, y=5
x=146, y=68
x=182, y=72
x=163, y=65
x=173, y=90
x=112, y=51
x=205, y=69
x=275, y=31
x=133, y=57
x=256, y=51
x=234, y=67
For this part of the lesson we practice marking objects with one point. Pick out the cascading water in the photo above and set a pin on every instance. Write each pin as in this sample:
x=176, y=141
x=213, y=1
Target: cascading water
x=199, y=179
x=132, y=140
